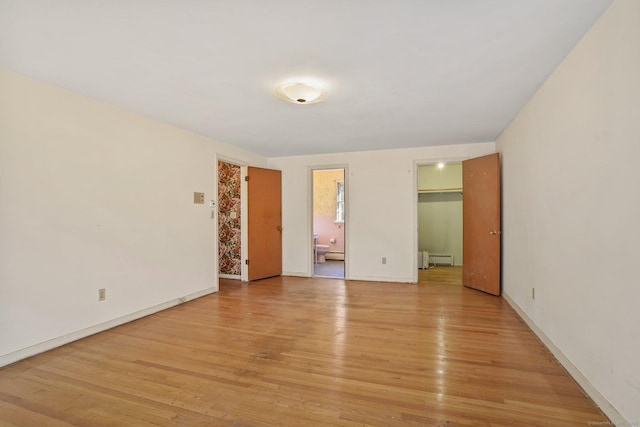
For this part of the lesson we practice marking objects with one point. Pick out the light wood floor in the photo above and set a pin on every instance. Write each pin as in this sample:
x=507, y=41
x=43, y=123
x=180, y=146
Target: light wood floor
x=303, y=352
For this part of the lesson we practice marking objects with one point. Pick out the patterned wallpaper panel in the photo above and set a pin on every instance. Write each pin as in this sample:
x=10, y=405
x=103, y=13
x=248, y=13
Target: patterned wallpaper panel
x=229, y=257
x=324, y=191
x=324, y=209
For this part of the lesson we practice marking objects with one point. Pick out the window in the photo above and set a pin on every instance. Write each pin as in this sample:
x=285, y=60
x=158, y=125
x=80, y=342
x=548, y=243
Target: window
x=340, y=201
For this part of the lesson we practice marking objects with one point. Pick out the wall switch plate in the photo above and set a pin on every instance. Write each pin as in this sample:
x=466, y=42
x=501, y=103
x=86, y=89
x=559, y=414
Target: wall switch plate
x=233, y=215
x=102, y=294
x=384, y=259
x=198, y=198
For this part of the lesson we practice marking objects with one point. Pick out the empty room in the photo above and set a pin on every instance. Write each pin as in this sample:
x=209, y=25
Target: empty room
x=165, y=254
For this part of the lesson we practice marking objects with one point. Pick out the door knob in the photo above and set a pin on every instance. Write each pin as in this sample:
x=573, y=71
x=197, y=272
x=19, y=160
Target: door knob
x=494, y=232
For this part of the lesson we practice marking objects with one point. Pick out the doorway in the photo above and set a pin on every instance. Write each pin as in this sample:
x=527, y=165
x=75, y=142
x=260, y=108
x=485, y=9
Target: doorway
x=328, y=222
x=439, y=206
x=480, y=230
x=249, y=219
x=229, y=221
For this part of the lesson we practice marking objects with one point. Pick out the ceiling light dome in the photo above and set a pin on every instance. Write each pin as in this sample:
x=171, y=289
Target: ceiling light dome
x=301, y=93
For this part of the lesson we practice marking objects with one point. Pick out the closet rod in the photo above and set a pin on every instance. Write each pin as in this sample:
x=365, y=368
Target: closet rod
x=442, y=190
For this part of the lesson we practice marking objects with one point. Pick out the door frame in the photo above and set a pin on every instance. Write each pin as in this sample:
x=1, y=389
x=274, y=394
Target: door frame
x=347, y=211
x=416, y=164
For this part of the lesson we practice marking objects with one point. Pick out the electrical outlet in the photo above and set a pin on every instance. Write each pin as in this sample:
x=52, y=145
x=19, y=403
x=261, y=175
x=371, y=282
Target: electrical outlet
x=384, y=259
x=102, y=294
x=533, y=293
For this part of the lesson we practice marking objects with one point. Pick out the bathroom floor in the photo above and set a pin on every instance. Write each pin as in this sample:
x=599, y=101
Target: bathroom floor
x=329, y=268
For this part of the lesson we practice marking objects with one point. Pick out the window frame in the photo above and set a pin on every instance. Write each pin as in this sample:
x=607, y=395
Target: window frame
x=340, y=203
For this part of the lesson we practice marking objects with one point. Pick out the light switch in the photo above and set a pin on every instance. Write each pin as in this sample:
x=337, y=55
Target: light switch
x=198, y=198
x=233, y=215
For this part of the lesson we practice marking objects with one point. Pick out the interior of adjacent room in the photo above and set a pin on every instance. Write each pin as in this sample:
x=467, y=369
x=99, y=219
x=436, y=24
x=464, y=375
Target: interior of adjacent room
x=329, y=222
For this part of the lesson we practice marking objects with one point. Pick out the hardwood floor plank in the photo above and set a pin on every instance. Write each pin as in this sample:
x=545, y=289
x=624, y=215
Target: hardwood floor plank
x=16, y=411
x=298, y=351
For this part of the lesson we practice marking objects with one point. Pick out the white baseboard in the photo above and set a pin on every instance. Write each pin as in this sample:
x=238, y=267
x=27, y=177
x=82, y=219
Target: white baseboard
x=383, y=279
x=362, y=278
x=24, y=353
x=614, y=416
x=295, y=274
x=230, y=276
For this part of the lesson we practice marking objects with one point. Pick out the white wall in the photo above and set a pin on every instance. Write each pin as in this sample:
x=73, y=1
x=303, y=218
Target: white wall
x=381, y=208
x=95, y=197
x=571, y=214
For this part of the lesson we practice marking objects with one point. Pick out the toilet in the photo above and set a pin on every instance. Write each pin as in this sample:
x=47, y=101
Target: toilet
x=321, y=251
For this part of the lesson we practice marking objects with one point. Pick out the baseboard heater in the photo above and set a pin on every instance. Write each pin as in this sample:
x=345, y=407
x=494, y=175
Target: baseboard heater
x=335, y=255
x=423, y=260
x=435, y=257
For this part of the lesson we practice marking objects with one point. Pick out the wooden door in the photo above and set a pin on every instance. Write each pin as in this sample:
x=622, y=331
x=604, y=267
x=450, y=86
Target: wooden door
x=481, y=223
x=264, y=231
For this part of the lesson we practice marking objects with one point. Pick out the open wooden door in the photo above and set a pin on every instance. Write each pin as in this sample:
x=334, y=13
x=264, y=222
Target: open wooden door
x=264, y=229
x=481, y=223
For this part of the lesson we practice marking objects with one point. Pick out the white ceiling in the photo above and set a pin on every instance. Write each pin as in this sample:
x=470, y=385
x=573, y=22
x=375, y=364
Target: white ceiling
x=402, y=73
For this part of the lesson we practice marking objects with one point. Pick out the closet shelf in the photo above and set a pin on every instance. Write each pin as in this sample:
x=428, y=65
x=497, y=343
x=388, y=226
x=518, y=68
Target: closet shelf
x=441, y=190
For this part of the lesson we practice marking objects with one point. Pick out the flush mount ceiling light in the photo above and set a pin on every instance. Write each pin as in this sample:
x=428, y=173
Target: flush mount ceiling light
x=301, y=93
